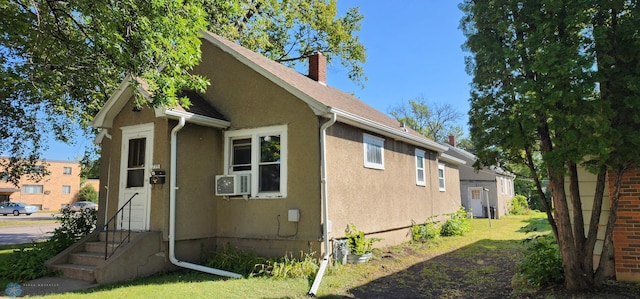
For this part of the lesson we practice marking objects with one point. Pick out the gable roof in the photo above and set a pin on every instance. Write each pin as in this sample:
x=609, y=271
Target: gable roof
x=322, y=99
x=200, y=112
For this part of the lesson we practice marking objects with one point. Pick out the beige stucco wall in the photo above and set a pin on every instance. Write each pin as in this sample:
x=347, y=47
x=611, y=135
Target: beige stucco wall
x=111, y=158
x=383, y=200
x=198, y=158
x=249, y=100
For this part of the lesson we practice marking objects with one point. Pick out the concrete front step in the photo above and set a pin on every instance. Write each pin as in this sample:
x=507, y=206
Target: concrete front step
x=86, y=258
x=117, y=236
x=80, y=272
x=99, y=247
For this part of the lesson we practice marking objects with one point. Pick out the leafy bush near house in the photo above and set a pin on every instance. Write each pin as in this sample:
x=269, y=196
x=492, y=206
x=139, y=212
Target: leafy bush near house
x=457, y=224
x=519, y=205
x=249, y=264
x=88, y=193
x=542, y=264
x=358, y=243
x=28, y=262
x=429, y=230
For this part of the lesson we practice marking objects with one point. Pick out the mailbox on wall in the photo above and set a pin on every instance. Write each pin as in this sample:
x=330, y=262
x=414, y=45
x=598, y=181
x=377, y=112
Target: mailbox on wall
x=158, y=177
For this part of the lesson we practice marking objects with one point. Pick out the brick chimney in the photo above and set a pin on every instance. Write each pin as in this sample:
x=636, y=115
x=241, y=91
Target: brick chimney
x=452, y=140
x=318, y=68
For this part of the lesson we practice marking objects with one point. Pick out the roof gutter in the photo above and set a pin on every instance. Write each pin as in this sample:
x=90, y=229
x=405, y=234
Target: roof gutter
x=172, y=213
x=363, y=123
x=193, y=118
x=325, y=202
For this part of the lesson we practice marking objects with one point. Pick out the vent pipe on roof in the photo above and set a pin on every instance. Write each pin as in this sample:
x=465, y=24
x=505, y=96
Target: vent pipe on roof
x=318, y=68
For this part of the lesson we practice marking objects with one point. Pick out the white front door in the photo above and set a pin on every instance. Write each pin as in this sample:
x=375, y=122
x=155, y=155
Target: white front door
x=135, y=169
x=475, y=201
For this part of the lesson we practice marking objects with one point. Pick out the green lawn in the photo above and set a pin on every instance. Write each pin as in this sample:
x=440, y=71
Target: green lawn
x=339, y=280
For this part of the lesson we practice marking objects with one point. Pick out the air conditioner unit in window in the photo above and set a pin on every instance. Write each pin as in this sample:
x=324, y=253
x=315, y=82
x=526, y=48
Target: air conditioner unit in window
x=233, y=184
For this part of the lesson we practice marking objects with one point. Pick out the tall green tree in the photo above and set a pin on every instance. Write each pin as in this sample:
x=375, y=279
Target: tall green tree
x=435, y=122
x=290, y=31
x=558, y=78
x=60, y=60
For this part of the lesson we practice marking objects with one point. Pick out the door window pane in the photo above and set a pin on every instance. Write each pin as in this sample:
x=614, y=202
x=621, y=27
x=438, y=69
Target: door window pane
x=135, y=164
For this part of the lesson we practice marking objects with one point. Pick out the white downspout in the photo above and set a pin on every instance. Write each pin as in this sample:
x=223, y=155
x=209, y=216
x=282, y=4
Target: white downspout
x=106, y=205
x=172, y=214
x=325, y=201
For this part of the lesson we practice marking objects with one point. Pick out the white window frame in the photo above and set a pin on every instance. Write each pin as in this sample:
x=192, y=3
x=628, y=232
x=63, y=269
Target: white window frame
x=66, y=189
x=420, y=157
x=442, y=183
x=64, y=170
x=254, y=135
x=374, y=141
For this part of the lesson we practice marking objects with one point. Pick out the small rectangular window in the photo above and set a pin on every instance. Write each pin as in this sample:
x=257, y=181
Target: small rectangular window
x=475, y=194
x=66, y=189
x=32, y=189
x=373, y=151
x=441, y=178
x=66, y=171
x=241, y=154
x=420, y=177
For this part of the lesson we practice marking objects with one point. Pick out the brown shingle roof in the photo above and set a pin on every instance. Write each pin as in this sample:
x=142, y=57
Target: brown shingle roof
x=199, y=105
x=323, y=96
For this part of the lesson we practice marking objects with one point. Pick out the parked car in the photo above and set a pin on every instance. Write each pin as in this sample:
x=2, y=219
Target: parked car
x=83, y=206
x=17, y=208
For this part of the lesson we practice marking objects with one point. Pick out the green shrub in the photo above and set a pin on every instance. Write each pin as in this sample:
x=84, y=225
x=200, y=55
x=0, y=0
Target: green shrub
x=429, y=230
x=457, y=224
x=358, y=243
x=542, y=264
x=235, y=260
x=28, y=262
x=289, y=267
x=88, y=193
x=519, y=205
x=249, y=264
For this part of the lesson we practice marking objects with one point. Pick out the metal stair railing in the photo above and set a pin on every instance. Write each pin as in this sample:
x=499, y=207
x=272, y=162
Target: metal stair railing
x=124, y=235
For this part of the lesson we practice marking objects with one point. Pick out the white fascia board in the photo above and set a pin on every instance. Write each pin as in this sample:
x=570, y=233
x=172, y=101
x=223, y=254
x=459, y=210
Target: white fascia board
x=193, y=118
x=317, y=107
x=451, y=159
x=118, y=99
x=363, y=123
x=99, y=137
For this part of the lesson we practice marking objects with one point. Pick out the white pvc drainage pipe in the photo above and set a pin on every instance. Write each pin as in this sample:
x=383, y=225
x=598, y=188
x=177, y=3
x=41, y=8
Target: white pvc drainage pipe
x=172, y=214
x=325, y=202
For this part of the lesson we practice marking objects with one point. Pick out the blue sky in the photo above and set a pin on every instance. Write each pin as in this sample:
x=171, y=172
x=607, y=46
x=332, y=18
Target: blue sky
x=413, y=50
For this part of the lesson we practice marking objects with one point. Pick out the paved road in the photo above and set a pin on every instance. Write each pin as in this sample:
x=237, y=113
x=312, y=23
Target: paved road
x=28, y=233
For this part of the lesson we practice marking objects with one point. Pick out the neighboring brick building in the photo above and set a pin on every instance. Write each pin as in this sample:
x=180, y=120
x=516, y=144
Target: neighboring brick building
x=626, y=234
x=53, y=191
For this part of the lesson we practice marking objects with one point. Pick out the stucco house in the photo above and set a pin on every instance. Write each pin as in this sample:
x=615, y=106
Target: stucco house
x=267, y=159
x=476, y=186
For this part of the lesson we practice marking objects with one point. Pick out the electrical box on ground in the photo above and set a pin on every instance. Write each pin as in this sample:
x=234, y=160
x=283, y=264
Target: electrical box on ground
x=294, y=215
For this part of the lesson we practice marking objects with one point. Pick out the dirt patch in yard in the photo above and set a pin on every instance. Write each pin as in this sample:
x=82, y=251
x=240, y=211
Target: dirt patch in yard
x=483, y=269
